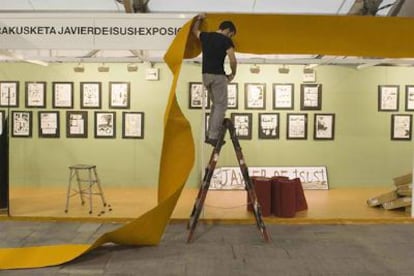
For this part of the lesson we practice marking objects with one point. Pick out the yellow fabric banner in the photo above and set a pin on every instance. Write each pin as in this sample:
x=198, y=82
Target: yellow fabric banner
x=260, y=34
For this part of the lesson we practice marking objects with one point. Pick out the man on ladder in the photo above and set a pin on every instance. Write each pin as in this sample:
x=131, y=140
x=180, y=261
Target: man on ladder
x=215, y=47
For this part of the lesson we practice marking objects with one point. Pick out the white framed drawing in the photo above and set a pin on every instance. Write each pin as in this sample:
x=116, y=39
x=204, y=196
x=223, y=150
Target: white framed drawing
x=255, y=95
x=9, y=93
x=62, y=96
x=49, y=124
x=36, y=94
x=22, y=124
x=324, y=126
x=90, y=93
x=283, y=96
x=119, y=95
x=297, y=126
x=388, y=97
x=133, y=125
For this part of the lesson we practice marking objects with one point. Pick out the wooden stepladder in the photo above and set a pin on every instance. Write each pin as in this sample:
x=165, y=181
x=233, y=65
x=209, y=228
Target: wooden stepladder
x=202, y=193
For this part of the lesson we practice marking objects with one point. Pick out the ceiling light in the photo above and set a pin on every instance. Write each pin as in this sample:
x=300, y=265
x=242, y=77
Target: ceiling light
x=307, y=70
x=132, y=67
x=103, y=68
x=255, y=69
x=284, y=69
x=79, y=68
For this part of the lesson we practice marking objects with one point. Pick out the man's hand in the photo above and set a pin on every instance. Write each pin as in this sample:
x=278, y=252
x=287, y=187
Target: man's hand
x=201, y=16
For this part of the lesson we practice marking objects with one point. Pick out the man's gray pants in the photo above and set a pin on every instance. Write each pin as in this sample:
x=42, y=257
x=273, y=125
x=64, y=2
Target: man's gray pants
x=216, y=86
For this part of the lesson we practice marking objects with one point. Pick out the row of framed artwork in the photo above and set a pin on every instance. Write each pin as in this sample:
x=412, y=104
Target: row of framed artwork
x=389, y=97
x=296, y=126
x=255, y=96
x=63, y=96
x=76, y=124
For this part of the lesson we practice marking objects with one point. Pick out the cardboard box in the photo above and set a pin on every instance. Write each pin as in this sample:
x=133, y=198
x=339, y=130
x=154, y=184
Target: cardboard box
x=404, y=179
x=378, y=200
x=404, y=190
x=398, y=203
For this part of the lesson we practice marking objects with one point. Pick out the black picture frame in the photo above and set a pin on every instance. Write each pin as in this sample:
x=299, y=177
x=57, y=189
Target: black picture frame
x=62, y=94
x=77, y=124
x=197, y=95
x=48, y=124
x=297, y=126
x=35, y=94
x=119, y=95
x=409, y=98
x=105, y=124
x=255, y=95
x=283, y=96
x=133, y=125
x=243, y=125
x=310, y=96
x=269, y=125
x=401, y=127
x=91, y=95
x=22, y=122
x=388, y=97
x=9, y=93
x=233, y=95
x=324, y=126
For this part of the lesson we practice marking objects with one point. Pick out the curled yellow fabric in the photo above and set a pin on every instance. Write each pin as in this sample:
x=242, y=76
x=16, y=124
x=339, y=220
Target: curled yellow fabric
x=260, y=34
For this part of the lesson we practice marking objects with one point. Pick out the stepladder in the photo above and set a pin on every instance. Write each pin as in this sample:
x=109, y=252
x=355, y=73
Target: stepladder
x=87, y=185
x=209, y=171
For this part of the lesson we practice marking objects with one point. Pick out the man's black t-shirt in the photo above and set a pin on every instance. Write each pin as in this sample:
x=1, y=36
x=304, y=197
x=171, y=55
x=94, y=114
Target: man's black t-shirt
x=214, y=46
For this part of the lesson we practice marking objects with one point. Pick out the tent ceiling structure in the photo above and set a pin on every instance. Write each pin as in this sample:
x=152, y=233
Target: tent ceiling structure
x=190, y=8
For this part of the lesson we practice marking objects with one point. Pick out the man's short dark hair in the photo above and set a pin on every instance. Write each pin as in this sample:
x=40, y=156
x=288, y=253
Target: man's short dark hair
x=228, y=25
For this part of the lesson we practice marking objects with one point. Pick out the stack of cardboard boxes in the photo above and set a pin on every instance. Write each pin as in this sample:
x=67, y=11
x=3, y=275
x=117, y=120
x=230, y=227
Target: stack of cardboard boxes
x=398, y=198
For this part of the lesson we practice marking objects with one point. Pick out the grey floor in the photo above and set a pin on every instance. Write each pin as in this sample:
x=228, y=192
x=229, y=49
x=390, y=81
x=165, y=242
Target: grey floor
x=227, y=250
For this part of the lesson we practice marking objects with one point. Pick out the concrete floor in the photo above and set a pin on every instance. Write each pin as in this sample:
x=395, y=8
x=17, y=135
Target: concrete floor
x=369, y=249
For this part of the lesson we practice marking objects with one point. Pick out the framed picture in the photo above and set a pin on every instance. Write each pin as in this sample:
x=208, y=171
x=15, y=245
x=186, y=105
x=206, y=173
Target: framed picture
x=77, y=124
x=90, y=93
x=119, y=95
x=401, y=126
x=198, y=96
x=232, y=96
x=283, y=96
x=105, y=124
x=243, y=125
x=36, y=94
x=388, y=97
x=49, y=124
x=269, y=126
x=22, y=124
x=409, y=97
x=62, y=96
x=311, y=96
x=9, y=93
x=324, y=126
x=297, y=126
x=133, y=125
x=255, y=95
x=2, y=120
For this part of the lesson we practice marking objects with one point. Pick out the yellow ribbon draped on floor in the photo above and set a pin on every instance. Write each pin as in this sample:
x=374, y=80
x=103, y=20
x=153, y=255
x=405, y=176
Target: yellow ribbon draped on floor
x=260, y=34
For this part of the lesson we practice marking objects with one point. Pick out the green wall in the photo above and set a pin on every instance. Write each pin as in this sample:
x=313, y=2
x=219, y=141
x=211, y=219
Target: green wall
x=362, y=153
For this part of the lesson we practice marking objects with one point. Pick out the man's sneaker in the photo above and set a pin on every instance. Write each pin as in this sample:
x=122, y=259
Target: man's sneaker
x=213, y=142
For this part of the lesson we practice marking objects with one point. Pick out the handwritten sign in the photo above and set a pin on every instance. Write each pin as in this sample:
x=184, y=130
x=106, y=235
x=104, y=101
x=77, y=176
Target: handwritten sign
x=230, y=178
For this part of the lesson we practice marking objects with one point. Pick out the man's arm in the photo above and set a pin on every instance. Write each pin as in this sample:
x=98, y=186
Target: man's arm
x=233, y=63
x=196, y=27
